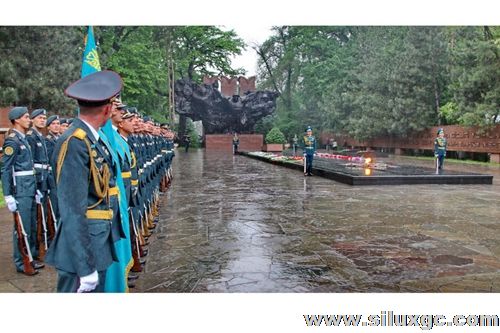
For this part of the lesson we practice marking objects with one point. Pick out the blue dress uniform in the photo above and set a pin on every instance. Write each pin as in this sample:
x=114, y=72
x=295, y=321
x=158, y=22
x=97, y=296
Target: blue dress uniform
x=130, y=180
x=440, y=149
x=40, y=154
x=50, y=143
x=19, y=183
x=309, y=146
x=117, y=230
x=41, y=164
x=83, y=245
x=138, y=184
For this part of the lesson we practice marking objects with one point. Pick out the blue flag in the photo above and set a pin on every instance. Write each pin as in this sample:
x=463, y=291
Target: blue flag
x=117, y=273
x=90, y=63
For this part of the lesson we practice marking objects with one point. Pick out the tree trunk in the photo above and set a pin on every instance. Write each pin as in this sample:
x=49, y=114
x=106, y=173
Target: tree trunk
x=437, y=100
x=190, y=70
x=288, y=99
x=260, y=52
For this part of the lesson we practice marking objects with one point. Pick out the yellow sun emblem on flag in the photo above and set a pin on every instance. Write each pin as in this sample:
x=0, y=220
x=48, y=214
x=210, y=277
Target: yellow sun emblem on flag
x=92, y=58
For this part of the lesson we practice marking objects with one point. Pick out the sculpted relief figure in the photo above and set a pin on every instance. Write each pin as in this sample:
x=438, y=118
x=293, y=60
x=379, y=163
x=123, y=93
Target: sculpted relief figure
x=219, y=113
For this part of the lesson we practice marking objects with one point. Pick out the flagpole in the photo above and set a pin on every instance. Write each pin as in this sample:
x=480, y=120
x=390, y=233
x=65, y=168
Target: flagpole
x=116, y=274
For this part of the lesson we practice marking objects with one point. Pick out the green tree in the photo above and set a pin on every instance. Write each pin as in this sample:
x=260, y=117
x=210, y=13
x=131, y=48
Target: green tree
x=288, y=63
x=475, y=73
x=275, y=136
x=363, y=81
x=205, y=50
x=141, y=59
x=38, y=63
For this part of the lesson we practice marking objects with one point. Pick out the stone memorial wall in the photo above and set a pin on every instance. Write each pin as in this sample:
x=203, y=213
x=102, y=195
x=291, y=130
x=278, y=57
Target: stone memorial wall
x=224, y=142
x=460, y=138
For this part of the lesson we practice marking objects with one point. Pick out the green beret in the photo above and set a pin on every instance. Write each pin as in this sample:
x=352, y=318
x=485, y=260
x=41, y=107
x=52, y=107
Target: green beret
x=17, y=112
x=51, y=119
x=38, y=112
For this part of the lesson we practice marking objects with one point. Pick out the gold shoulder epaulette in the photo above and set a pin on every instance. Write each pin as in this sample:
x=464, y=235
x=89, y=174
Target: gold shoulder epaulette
x=79, y=133
x=12, y=135
x=29, y=132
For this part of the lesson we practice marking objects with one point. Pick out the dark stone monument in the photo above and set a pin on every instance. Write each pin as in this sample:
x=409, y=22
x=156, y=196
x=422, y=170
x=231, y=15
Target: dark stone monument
x=352, y=174
x=222, y=114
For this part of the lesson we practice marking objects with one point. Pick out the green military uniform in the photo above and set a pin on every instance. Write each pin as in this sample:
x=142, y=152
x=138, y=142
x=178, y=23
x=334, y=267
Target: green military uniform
x=19, y=183
x=83, y=246
x=440, y=144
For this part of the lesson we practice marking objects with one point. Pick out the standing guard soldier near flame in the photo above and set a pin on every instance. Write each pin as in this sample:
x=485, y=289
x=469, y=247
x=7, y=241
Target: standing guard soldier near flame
x=309, y=146
x=19, y=187
x=440, y=150
x=83, y=248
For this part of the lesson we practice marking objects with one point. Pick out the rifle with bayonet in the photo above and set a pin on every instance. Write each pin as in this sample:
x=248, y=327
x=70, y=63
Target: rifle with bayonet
x=23, y=244
x=51, y=220
x=136, y=247
x=41, y=231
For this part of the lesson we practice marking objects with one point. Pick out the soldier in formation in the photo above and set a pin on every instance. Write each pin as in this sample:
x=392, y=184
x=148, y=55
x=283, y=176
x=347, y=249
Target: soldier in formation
x=19, y=188
x=62, y=188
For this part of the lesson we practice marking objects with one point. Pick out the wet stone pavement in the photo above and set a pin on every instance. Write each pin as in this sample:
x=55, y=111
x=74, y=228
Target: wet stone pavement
x=235, y=224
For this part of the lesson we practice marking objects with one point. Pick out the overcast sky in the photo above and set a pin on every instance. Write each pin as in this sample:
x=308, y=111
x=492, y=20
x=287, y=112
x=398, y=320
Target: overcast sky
x=252, y=35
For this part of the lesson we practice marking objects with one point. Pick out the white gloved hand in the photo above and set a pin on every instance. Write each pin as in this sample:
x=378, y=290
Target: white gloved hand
x=11, y=203
x=88, y=282
x=38, y=197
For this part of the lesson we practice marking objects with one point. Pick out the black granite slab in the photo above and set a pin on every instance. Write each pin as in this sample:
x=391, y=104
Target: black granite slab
x=341, y=171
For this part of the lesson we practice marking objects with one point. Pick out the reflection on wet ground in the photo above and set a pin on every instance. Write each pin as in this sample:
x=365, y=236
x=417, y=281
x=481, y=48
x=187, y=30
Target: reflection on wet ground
x=234, y=224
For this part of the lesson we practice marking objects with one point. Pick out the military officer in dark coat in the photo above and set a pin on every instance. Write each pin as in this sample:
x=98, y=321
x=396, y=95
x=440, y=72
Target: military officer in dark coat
x=19, y=182
x=83, y=247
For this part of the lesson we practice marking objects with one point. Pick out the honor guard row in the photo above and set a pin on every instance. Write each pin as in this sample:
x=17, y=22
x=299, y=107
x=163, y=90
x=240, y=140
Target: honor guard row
x=62, y=188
